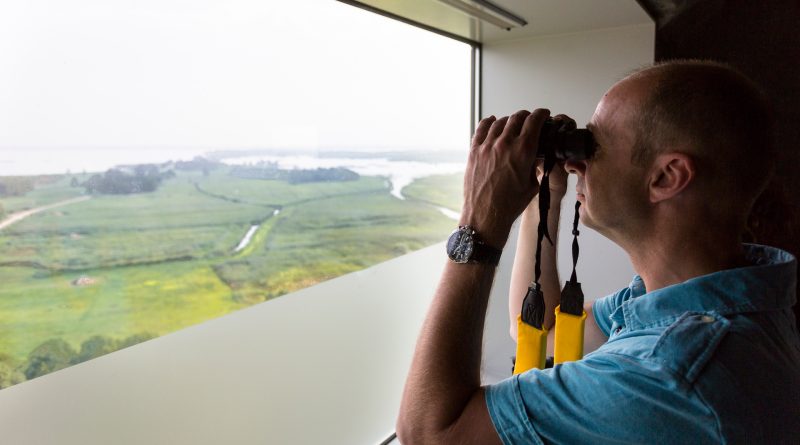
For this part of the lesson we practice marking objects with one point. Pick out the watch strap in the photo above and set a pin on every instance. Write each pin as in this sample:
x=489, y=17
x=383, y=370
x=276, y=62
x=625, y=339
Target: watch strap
x=483, y=253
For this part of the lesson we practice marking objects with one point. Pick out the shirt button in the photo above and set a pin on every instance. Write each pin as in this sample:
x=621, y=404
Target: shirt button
x=616, y=331
x=707, y=319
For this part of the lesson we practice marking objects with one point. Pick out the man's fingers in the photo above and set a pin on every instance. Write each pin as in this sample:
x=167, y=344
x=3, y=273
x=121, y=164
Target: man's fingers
x=515, y=123
x=497, y=128
x=482, y=130
x=568, y=122
x=533, y=125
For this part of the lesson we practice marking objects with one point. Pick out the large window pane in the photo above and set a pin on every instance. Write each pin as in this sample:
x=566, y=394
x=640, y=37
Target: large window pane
x=167, y=162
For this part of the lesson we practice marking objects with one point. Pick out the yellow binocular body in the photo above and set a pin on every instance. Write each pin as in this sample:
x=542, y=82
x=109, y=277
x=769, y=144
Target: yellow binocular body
x=569, y=336
x=532, y=342
x=531, y=347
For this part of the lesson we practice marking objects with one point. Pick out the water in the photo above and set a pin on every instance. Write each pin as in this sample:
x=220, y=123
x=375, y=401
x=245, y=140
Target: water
x=247, y=237
x=43, y=161
x=37, y=161
x=450, y=213
x=400, y=173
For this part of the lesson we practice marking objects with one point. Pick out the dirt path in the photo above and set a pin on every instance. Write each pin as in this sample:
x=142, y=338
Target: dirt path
x=19, y=216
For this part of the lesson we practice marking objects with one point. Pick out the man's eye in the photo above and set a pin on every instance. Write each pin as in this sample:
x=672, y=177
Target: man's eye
x=597, y=150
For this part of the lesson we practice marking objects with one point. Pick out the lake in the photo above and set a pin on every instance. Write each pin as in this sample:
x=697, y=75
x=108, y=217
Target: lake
x=36, y=161
x=399, y=173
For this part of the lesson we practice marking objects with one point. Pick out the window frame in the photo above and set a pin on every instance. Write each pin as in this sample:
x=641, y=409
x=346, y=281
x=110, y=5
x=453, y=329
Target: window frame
x=476, y=77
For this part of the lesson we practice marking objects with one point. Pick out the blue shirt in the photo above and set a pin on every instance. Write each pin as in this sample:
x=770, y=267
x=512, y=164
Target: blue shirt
x=715, y=359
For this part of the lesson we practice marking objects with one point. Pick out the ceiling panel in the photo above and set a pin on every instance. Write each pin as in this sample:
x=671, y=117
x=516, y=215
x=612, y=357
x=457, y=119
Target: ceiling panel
x=544, y=17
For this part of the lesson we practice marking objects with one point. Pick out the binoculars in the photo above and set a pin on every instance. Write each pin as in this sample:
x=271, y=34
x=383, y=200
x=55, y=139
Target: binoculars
x=565, y=142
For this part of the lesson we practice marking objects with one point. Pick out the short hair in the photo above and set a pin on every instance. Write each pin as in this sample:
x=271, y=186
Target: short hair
x=718, y=112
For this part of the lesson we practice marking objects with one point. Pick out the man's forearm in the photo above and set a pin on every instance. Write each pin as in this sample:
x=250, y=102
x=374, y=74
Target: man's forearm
x=443, y=401
x=523, y=272
x=445, y=372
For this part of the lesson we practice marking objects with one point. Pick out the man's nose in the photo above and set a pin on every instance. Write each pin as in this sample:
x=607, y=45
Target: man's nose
x=575, y=167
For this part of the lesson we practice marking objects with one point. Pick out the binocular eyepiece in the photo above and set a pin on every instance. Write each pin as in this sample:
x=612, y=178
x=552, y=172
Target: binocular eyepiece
x=564, y=141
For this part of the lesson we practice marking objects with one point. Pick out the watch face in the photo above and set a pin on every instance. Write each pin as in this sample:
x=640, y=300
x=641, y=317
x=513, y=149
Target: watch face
x=459, y=246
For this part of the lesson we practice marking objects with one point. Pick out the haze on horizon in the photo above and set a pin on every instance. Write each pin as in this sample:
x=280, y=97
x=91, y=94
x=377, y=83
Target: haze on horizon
x=177, y=74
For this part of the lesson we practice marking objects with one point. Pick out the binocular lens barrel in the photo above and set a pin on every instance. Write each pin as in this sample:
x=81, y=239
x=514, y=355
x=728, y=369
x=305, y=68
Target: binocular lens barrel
x=567, y=144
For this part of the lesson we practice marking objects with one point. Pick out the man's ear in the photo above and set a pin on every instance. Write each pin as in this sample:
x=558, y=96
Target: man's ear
x=671, y=174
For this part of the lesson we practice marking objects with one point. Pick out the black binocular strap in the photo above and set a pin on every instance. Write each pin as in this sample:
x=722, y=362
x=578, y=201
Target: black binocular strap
x=533, y=306
x=575, y=248
x=572, y=294
x=544, y=211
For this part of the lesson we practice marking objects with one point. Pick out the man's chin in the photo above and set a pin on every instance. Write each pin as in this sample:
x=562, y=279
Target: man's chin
x=586, y=219
x=589, y=223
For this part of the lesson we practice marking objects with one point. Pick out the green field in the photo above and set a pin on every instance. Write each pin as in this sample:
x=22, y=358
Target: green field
x=440, y=190
x=90, y=277
x=48, y=190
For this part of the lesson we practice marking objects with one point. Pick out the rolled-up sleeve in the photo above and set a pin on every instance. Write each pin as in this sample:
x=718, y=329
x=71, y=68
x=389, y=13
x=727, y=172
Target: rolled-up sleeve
x=552, y=405
x=592, y=401
x=508, y=413
x=602, y=308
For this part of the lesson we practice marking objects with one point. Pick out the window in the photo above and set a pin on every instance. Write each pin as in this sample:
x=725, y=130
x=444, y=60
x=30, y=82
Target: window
x=163, y=163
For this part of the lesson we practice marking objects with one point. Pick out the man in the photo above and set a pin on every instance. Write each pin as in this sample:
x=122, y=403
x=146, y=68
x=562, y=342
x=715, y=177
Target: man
x=700, y=348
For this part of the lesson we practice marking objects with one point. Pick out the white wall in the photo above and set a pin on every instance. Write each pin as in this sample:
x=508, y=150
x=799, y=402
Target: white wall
x=324, y=365
x=567, y=74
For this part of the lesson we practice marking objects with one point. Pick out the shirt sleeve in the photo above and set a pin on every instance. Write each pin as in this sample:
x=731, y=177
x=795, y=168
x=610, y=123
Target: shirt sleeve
x=602, y=308
x=595, y=400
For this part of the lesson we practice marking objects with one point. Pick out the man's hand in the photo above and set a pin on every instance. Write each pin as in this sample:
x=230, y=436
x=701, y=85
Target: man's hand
x=558, y=176
x=500, y=178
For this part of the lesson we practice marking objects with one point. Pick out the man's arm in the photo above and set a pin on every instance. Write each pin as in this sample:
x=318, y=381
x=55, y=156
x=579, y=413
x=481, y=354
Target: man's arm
x=522, y=275
x=522, y=271
x=443, y=401
x=593, y=337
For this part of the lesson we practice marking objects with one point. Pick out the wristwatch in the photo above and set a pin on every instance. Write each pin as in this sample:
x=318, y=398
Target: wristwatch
x=465, y=246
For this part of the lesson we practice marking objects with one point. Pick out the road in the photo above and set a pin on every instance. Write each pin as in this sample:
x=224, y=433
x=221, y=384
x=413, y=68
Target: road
x=19, y=216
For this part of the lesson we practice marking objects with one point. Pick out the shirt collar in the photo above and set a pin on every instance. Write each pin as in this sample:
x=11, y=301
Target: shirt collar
x=768, y=284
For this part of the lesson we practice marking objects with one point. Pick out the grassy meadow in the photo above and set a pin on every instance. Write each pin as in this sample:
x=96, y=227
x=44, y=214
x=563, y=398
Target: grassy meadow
x=83, y=279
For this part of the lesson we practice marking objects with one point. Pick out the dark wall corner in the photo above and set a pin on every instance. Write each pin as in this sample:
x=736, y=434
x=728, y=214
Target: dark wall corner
x=762, y=40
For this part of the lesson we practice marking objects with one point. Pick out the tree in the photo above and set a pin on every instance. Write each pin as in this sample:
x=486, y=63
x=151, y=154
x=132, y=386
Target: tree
x=117, y=182
x=321, y=175
x=15, y=185
x=93, y=348
x=52, y=355
x=9, y=373
x=135, y=339
x=199, y=163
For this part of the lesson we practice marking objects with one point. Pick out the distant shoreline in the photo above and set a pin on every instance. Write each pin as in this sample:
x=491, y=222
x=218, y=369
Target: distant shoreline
x=399, y=168
x=41, y=162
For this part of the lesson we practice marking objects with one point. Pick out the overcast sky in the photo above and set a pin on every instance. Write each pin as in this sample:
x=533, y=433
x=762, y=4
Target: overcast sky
x=226, y=74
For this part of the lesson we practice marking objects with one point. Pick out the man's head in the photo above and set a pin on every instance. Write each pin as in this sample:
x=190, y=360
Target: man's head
x=691, y=136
